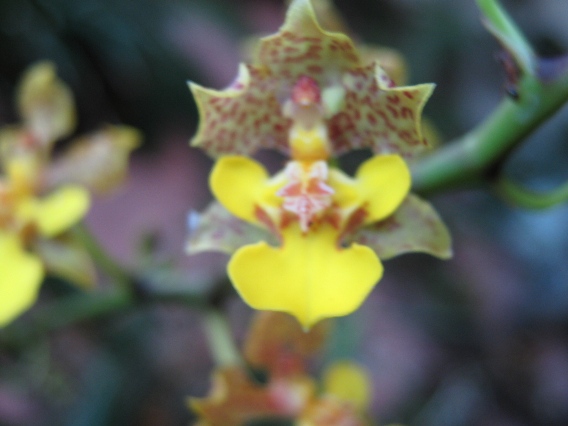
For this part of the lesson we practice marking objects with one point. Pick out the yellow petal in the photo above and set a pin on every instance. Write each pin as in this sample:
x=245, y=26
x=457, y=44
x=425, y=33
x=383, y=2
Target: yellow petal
x=59, y=210
x=20, y=277
x=308, y=277
x=348, y=382
x=380, y=185
x=241, y=184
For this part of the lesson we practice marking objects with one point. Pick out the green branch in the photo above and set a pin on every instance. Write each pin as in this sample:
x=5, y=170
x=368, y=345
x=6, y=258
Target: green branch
x=62, y=313
x=100, y=256
x=81, y=307
x=506, y=31
x=522, y=197
x=220, y=339
x=475, y=157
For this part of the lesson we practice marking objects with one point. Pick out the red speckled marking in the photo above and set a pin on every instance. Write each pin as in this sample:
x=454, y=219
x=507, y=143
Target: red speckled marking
x=244, y=121
x=376, y=116
x=292, y=53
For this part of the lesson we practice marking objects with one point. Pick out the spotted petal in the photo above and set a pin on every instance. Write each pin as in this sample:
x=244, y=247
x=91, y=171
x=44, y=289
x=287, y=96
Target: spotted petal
x=242, y=118
x=379, y=116
x=98, y=161
x=309, y=276
x=414, y=227
x=20, y=277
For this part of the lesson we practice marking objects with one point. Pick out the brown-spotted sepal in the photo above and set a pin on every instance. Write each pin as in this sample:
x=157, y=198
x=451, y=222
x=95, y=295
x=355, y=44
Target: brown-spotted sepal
x=302, y=47
x=218, y=230
x=414, y=227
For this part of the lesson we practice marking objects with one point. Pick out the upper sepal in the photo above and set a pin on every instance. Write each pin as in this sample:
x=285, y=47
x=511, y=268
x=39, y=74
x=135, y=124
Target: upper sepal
x=302, y=47
x=46, y=104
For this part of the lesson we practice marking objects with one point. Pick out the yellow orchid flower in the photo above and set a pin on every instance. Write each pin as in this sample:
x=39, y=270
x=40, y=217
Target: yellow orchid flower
x=41, y=198
x=24, y=219
x=309, y=94
x=310, y=274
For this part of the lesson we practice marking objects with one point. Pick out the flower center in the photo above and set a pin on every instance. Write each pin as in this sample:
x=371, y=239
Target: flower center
x=306, y=195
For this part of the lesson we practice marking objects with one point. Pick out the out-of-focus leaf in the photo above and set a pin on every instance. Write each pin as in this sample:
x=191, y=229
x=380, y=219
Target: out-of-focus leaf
x=46, y=104
x=65, y=258
x=218, y=230
x=414, y=227
x=98, y=161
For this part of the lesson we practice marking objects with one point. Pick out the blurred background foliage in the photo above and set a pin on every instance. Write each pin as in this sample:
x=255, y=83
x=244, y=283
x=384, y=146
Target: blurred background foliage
x=478, y=340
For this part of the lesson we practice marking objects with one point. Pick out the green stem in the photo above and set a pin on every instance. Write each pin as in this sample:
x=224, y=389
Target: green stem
x=504, y=28
x=100, y=256
x=477, y=156
x=62, y=313
x=82, y=307
x=473, y=157
x=220, y=339
x=522, y=197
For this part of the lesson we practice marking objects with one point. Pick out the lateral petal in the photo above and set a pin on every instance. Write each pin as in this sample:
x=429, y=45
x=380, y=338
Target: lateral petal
x=20, y=277
x=241, y=185
x=58, y=211
x=379, y=187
